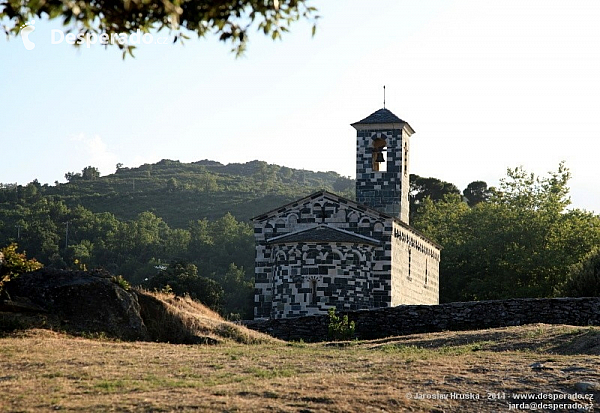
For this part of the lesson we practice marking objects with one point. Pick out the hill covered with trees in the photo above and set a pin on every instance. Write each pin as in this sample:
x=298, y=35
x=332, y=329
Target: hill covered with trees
x=185, y=227
x=180, y=192
x=182, y=224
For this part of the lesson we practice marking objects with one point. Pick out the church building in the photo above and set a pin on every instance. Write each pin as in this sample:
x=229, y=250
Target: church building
x=325, y=251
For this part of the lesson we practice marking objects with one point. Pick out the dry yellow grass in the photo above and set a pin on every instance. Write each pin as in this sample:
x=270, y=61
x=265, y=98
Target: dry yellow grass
x=43, y=370
x=170, y=318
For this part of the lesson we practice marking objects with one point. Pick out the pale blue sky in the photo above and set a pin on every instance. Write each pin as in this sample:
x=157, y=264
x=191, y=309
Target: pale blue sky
x=486, y=85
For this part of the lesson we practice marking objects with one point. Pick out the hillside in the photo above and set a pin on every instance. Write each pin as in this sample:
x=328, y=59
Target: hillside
x=138, y=221
x=183, y=192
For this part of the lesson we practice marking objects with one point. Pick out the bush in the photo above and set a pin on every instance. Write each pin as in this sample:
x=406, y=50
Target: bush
x=340, y=328
x=121, y=282
x=13, y=263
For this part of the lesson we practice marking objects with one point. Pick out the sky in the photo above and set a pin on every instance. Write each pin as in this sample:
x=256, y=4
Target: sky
x=486, y=86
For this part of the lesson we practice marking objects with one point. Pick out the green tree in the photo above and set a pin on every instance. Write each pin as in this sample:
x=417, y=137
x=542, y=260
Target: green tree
x=229, y=20
x=238, y=291
x=427, y=188
x=476, y=192
x=265, y=174
x=79, y=256
x=182, y=278
x=90, y=173
x=343, y=184
x=208, y=182
x=172, y=185
x=286, y=173
x=14, y=263
x=521, y=243
x=584, y=278
x=31, y=191
x=43, y=227
x=72, y=176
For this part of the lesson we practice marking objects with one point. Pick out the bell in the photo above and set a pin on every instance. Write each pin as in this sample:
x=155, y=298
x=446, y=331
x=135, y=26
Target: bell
x=379, y=157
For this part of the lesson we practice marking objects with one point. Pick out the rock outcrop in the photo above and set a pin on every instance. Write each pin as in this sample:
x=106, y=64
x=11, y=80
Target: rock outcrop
x=77, y=301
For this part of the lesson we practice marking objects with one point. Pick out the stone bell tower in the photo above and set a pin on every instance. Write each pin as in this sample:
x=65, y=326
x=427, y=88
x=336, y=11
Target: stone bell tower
x=382, y=175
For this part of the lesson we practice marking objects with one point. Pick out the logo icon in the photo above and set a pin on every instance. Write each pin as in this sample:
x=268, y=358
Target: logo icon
x=25, y=30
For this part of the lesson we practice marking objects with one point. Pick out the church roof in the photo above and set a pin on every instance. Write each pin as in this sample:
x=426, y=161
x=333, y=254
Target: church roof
x=323, y=233
x=381, y=116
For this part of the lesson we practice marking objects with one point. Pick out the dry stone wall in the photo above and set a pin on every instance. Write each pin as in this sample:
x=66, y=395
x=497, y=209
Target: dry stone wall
x=412, y=319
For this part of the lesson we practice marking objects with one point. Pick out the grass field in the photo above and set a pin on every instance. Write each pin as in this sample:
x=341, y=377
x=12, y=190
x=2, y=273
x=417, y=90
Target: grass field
x=42, y=370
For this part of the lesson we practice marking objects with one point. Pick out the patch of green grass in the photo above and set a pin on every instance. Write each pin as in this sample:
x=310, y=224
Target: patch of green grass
x=110, y=386
x=465, y=348
x=540, y=331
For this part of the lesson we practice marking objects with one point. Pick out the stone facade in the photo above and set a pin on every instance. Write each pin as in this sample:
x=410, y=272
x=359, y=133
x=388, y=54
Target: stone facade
x=325, y=251
x=415, y=268
x=383, y=185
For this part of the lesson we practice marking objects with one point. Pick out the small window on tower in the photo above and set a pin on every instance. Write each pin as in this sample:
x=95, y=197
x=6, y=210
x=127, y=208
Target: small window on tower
x=379, y=155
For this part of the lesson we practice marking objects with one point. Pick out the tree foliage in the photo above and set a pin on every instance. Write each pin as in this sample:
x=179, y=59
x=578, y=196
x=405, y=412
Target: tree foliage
x=518, y=240
x=182, y=278
x=427, y=188
x=584, y=278
x=153, y=215
x=229, y=20
x=14, y=263
x=520, y=243
x=476, y=192
x=90, y=173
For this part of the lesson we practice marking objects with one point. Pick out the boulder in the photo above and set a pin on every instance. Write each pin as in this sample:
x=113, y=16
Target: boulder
x=79, y=301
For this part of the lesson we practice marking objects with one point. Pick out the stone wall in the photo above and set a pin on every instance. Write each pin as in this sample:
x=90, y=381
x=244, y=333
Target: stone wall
x=411, y=319
x=415, y=268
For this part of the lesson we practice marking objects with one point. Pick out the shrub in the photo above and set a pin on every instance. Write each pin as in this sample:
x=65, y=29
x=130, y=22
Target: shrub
x=14, y=263
x=340, y=328
x=121, y=282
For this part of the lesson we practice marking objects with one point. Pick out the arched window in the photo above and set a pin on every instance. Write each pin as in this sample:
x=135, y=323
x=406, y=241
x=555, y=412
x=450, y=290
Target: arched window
x=379, y=155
